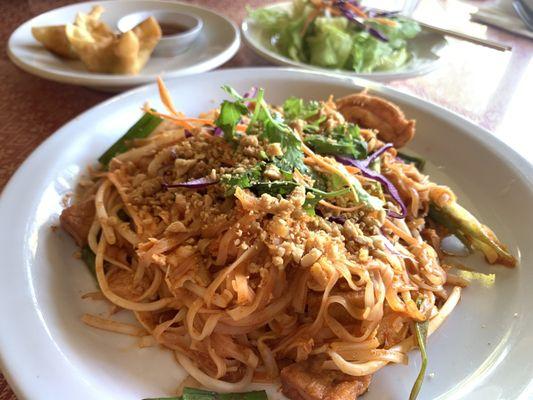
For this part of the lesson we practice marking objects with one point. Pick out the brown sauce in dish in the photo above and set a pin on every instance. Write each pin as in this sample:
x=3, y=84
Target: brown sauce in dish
x=172, y=29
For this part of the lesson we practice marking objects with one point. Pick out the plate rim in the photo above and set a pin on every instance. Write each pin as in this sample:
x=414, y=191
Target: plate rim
x=91, y=79
x=279, y=59
x=15, y=377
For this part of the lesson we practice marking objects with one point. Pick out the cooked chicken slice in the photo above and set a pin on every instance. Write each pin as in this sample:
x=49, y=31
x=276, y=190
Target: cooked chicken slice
x=77, y=220
x=373, y=112
x=305, y=381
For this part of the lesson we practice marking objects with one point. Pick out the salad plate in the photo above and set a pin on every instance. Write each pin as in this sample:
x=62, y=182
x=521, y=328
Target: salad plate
x=482, y=351
x=218, y=41
x=425, y=49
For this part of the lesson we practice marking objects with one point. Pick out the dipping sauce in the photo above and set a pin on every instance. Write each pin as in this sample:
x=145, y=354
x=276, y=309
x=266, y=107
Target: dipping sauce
x=172, y=29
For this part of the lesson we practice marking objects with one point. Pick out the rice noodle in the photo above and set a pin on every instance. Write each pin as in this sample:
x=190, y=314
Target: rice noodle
x=240, y=281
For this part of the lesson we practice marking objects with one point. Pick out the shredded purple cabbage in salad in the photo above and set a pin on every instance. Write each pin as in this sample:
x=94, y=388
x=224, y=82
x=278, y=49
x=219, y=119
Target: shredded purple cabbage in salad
x=351, y=16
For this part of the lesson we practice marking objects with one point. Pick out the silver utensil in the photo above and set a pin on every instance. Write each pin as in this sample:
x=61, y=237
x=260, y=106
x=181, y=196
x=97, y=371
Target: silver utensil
x=524, y=12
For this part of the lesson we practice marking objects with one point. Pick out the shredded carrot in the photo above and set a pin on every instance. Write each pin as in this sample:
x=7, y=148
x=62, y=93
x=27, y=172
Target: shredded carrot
x=352, y=170
x=166, y=99
x=310, y=18
x=356, y=10
x=385, y=21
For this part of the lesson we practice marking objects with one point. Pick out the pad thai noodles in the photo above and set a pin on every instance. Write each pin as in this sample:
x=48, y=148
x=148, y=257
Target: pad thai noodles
x=265, y=243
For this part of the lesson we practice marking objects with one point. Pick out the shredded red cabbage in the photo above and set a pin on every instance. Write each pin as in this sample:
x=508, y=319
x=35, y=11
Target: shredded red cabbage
x=218, y=132
x=351, y=16
x=363, y=165
x=199, y=183
x=188, y=133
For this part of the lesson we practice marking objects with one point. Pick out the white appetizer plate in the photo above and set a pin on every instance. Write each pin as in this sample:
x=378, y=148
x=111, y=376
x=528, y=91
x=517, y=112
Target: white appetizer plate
x=218, y=41
x=426, y=48
x=483, y=351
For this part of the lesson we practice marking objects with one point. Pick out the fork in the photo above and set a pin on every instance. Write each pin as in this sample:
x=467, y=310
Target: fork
x=524, y=12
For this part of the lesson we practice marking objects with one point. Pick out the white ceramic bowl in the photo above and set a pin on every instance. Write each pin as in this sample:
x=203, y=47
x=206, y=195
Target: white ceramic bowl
x=169, y=45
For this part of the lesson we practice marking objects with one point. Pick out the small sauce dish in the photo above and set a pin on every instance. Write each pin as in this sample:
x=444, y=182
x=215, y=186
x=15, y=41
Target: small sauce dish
x=179, y=30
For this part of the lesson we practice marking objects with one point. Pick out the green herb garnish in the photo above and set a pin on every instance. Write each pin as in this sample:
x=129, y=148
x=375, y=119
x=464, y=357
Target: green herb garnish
x=297, y=108
x=243, y=180
x=229, y=117
x=141, y=129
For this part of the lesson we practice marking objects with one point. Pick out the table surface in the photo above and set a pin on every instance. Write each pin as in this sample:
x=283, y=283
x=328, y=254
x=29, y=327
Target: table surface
x=492, y=88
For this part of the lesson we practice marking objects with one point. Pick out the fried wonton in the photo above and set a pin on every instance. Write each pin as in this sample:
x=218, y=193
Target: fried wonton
x=124, y=54
x=98, y=47
x=54, y=37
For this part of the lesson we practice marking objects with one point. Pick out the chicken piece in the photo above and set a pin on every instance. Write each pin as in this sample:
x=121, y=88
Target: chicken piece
x=306, y=381
x=77, y=220
x=373, y=112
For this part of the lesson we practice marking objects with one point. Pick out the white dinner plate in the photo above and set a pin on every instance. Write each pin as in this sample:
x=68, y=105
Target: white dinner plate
x=218, y=41
x=482, y=351
x=426, y=49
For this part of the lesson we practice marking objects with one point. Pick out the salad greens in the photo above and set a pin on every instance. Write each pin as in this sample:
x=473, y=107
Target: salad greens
x=339, y=40
x=199, y=394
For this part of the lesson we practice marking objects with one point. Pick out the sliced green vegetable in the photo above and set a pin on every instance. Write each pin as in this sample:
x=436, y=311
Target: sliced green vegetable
x=417, y=161
x=344, y=141
x=142, y=128
x=421, y=334
x=199, y=394
x=471, y=232
x=89, y=258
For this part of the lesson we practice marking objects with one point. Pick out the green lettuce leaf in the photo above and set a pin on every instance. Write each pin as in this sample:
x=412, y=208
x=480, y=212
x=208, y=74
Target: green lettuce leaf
x=330, y=45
